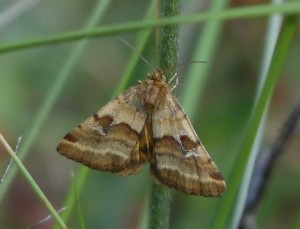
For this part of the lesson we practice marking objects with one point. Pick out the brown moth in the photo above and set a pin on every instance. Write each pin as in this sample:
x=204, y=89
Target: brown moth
x=146, y=124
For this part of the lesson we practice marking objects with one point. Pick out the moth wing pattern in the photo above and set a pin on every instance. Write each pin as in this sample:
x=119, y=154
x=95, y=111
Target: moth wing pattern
x=109, y=140
x=146, y=124
x=179, y=159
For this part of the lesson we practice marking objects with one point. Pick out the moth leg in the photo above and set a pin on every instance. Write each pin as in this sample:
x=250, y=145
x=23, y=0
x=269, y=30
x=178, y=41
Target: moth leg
x=176, y=81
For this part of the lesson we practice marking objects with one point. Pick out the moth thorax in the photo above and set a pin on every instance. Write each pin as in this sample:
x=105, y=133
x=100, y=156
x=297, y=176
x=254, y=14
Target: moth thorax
x=154, y=93
x=158, y=75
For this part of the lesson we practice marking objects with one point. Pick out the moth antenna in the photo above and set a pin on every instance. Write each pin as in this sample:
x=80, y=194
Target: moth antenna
x=189, y=62
x=134, y=49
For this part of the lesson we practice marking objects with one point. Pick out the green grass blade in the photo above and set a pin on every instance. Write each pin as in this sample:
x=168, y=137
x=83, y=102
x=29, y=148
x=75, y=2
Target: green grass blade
x=51, y=98
x=79, y=181
x=33, y=184
x=224, y=213
x=204, y=50
x=236, y=13
x=78, y=203
x=272, y=34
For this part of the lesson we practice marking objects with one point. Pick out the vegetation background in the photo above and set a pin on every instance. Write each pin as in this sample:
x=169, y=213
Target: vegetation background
x=222, y=111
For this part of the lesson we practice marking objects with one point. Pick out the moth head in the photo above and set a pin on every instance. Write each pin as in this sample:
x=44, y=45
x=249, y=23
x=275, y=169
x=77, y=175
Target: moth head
x=158, y=75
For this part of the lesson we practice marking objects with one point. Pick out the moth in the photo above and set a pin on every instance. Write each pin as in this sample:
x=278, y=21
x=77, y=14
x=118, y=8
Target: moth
x=146, y=124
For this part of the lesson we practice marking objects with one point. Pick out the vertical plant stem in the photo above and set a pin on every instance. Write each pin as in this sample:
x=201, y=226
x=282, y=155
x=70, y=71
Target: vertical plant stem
x=161, y=197
x=159, y=207
x=169, y=36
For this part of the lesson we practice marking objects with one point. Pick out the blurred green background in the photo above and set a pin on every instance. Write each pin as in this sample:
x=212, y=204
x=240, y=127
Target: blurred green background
x=109, y=201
